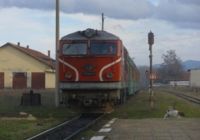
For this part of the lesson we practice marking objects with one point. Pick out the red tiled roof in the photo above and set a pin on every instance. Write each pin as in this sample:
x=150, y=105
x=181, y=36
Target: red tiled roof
x=35, y=54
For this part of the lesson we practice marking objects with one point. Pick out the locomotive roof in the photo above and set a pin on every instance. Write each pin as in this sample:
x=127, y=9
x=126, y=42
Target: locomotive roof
x=93, y=34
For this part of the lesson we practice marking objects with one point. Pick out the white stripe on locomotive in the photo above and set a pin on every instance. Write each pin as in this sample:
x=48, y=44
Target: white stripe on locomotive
x=72, y=67
x=107, y=66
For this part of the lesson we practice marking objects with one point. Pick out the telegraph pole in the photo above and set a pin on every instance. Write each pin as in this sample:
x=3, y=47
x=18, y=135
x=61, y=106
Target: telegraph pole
x=102, y=19
x=57, y=96
x=151, y=42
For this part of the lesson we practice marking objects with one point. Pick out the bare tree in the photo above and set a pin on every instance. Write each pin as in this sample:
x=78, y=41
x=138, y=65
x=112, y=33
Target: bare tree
x=171, y=68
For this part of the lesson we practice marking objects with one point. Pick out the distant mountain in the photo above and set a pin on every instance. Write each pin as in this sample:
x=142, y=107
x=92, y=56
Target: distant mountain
x=156, y=66
x=188, y=64
x=191, y=64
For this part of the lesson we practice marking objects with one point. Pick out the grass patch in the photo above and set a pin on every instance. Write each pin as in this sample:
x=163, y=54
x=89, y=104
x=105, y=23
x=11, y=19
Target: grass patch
x=20, y=129
x=46, y=115
x=39, y=112
x=138, y=106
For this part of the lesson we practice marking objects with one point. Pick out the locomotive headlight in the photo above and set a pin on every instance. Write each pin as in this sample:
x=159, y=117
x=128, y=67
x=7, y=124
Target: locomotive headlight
x=109, y=75
x=68, y=75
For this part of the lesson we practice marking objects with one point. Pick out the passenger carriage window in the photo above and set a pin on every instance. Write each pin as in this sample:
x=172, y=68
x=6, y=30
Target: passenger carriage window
x=75, y=49
x=103, y=48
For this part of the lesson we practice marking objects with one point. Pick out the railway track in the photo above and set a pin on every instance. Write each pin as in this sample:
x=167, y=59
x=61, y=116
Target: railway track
x=69, y=129
x=186, y=97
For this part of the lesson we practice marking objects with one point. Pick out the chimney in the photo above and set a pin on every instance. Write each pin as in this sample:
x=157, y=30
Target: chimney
x=18, y=43
x=49, y=53
x=27, y=46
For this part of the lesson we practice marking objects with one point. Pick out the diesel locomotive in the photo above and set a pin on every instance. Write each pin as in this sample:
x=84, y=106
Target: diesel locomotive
x=95, y=68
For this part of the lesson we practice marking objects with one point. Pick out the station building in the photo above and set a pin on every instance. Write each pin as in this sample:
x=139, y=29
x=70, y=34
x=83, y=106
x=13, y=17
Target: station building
x=195, y=78
x=22, y=68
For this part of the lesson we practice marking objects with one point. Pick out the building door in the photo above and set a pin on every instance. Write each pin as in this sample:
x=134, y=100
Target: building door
x=38, y=80
x=1, y=80
x=19, y=80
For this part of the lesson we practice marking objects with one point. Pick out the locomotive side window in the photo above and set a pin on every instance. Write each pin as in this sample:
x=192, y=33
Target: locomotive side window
x=75, y=49
x=102, y=48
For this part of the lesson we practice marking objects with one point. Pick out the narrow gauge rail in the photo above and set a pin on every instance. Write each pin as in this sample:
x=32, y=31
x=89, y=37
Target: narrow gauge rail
x=184, y=96
x=69, y=129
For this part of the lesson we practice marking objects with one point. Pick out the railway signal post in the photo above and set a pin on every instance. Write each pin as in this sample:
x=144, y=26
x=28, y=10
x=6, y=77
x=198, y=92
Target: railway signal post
x=151, y=42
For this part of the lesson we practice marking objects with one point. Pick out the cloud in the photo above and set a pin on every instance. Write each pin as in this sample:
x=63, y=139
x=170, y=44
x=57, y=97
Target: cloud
x=184, y=13
x=126, y=9
x=32, y=4
x=36, y=30
x=197, y=2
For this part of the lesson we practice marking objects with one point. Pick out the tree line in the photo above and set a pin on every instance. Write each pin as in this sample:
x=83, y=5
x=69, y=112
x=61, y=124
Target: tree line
x=170, y=70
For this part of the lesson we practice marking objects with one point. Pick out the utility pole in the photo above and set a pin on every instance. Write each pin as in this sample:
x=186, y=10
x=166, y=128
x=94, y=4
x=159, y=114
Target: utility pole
x=57, y=94
x=102, y=19
x=151, y=42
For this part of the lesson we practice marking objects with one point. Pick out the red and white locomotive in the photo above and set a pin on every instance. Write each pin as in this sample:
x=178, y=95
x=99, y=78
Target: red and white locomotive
x=94, y=68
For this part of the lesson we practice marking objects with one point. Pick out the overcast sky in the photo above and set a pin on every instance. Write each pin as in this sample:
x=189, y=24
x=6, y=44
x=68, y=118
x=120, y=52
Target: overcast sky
x=175, y=24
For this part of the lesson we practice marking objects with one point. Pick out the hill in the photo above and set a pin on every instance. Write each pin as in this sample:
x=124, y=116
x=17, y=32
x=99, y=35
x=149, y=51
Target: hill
x=188, y=64
x=191, y=64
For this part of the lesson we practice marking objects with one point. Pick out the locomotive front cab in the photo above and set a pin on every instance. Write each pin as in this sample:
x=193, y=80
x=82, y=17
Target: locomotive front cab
x=90, y=68
x=90, y=61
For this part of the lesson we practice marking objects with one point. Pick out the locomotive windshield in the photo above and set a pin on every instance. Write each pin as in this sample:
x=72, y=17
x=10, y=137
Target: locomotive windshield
x=75, y=49
x=94, y=48
x=103, y=48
